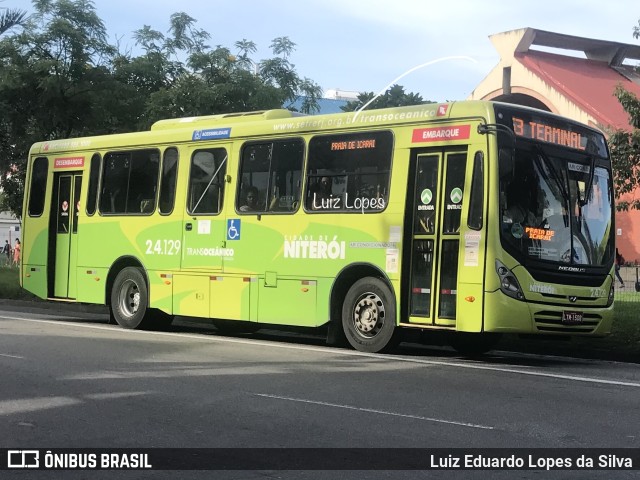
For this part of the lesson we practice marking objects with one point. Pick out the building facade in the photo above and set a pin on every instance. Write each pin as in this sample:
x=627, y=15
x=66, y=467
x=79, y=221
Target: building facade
x=574, y=77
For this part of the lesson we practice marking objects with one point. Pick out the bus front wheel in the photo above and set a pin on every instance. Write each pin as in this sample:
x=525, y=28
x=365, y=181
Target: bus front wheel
x=369, y=316
x=129, y=299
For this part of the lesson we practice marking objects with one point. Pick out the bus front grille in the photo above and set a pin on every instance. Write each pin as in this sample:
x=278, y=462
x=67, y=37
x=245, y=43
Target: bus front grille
x=551, y=322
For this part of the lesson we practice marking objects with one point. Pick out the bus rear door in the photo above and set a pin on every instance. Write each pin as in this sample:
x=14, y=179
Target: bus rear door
x=63, y=234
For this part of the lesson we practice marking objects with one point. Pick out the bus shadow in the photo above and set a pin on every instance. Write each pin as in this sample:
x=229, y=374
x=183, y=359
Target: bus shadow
x=316, y=337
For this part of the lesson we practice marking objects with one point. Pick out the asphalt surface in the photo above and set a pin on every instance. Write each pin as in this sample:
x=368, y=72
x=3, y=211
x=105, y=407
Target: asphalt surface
x=73, y=381
x=531, y=345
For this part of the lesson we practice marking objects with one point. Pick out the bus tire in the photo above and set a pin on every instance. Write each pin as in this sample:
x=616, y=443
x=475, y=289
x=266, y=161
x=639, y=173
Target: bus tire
x=369, y=316
x=473, y=344
x=129, y=299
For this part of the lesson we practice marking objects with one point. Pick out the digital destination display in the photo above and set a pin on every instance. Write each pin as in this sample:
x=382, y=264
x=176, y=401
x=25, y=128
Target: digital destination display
x=550, y=129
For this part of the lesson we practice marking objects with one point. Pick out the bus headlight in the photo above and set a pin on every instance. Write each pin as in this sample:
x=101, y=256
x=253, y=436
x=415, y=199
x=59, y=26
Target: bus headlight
x=508, y=283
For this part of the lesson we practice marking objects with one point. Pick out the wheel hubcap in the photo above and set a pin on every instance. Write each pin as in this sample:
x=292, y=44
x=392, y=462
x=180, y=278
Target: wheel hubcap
x=369, y=314
x=129, y=298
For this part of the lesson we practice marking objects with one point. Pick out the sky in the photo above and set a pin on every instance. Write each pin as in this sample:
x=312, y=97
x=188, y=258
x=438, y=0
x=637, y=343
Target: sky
x=363, y=45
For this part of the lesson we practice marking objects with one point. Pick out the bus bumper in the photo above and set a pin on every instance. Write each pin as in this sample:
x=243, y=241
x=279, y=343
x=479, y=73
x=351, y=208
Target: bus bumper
x=506, y=315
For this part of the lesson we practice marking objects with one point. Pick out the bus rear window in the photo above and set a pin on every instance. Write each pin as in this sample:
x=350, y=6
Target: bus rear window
x=349, y=172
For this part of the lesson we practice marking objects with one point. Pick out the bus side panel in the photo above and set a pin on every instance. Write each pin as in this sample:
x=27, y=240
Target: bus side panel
x=34, y=255
x=191, y=295
x=287, y=302
x=91, y=285
x=161, y=291
x=230, y=297
x=473, y=245
x=469, y=307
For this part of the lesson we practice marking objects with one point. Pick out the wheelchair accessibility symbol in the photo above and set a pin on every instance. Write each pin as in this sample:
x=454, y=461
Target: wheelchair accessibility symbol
x=233, y=229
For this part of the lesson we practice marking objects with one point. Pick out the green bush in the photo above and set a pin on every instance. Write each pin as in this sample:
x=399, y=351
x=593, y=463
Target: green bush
x=10, y=285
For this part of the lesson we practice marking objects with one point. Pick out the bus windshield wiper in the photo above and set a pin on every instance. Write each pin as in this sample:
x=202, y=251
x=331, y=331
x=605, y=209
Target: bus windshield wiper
x=554, y=173
x=589, y=186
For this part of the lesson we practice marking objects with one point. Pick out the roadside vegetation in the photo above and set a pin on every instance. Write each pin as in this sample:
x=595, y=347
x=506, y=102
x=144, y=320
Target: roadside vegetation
x=10, y=286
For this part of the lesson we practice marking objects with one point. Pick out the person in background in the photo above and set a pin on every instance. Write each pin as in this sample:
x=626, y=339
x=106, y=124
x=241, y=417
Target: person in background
x=16, y=253
x=6, y=250
x=251, y=200
x=619, y=264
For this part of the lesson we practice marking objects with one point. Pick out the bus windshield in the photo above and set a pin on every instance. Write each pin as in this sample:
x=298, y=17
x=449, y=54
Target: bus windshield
x=555, y=205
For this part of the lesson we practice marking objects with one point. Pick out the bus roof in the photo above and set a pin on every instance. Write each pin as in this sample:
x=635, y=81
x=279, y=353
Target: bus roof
x=276, y=122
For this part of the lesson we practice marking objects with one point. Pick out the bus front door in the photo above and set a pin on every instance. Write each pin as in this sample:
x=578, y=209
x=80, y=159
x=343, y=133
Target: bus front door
x=434, y=211
x=204, y=231
x=204, y=223
x=64, y=233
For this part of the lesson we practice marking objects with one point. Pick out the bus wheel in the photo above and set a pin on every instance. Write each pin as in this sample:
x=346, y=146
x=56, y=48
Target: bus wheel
x=369, y=316
x=129, y=298
x=473, y=344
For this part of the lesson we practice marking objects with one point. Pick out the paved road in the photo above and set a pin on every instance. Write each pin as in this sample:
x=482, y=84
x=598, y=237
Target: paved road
x=74, y=381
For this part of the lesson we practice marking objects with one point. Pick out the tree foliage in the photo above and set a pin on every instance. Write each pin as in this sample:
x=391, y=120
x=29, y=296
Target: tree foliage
x=624, y=146
x=395, y=96
x=61, y=78
x=10, y=18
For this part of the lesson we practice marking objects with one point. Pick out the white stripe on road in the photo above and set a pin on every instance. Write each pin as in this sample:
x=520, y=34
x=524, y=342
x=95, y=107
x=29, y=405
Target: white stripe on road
x=338, y=351
x=373, y=410
x=11, y=356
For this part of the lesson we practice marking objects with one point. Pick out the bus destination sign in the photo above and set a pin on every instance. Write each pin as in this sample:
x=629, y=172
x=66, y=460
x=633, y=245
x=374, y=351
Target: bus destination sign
x=548, y=133
x=549, y=128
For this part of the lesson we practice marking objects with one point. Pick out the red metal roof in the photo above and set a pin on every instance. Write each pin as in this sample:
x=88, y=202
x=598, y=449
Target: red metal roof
x=588, y=83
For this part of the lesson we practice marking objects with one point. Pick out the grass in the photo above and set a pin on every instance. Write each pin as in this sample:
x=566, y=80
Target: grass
x=10, y=285
x=623, y=344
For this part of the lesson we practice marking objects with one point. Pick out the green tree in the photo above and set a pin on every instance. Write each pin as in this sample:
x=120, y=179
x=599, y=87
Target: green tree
x=10, y=18
x=624, y=146
x=395, y=96
x=60, y=78
x=52, y=84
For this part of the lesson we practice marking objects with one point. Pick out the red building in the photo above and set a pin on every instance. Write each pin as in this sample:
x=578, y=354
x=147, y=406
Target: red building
x=574, y=77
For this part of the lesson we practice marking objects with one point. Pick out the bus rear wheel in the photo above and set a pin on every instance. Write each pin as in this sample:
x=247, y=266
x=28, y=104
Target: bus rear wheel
x=129, y=299
x=369, y=316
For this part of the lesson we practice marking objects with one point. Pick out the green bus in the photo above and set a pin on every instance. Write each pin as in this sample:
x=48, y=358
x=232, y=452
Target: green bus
x=463, y=220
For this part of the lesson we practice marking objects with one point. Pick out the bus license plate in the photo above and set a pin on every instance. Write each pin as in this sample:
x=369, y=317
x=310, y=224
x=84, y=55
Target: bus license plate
x=571, y=318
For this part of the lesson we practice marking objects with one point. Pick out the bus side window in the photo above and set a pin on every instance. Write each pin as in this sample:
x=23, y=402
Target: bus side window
x=129, y=182
x=168, y=181
x=143, y=181
x=94, y=177
x=349, y=172
x=38, y=186
x=476, y=203
x=270, y=177
x=115, y=177
x=206, y=181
